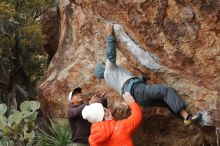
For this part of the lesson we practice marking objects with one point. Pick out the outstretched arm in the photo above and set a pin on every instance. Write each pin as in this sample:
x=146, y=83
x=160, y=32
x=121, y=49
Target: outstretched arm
x=134, y=120
x=75, y=111
x=111, y=44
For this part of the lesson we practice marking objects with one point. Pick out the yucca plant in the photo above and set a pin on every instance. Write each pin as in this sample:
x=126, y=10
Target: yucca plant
x=58, y=133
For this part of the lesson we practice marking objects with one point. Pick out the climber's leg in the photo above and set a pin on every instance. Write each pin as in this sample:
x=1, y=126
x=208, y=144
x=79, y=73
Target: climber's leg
x=158, y=95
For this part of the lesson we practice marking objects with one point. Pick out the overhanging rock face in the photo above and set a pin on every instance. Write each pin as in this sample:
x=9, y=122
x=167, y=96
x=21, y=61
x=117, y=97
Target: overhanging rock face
x=173, y=42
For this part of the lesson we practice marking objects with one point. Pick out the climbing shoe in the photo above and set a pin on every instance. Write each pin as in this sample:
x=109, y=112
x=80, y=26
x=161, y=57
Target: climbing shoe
x=192, y=118
x=197, y=117
x=188, y=120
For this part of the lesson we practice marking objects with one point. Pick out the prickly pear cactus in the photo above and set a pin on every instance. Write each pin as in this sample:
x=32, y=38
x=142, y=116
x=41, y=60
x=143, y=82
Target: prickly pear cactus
x=15, y=129
x=3, y=109
x=30, y=106
x=28, y=109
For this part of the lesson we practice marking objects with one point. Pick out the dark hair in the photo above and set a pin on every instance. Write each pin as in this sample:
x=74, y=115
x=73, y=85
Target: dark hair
x=76, y=91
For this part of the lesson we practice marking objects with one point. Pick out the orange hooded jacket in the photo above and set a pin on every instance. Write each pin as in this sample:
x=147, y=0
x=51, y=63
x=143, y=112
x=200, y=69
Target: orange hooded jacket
x=116, y=133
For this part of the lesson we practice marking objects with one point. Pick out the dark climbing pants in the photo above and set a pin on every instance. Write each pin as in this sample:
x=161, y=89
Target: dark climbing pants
x=157, y=95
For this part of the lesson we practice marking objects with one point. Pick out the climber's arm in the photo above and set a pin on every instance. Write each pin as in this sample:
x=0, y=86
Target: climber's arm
x=111, y=48
x=111, y=44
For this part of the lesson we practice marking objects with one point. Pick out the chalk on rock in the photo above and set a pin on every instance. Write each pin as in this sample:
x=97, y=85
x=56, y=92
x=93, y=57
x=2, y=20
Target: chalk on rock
x=145, y=58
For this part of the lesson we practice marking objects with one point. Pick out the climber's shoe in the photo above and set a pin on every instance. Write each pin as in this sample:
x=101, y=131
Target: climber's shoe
x=188, y=120
x=192, y=118
x=196, y=117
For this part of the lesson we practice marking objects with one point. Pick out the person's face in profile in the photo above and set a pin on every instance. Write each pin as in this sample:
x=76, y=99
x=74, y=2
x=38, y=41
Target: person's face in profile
x=77, y=98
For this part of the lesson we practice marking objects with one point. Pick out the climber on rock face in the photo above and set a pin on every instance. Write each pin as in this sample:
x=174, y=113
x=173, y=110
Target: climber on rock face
x=106, y=131
x=145, y=94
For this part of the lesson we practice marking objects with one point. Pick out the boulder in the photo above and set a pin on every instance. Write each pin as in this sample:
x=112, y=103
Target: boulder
x=181, y=39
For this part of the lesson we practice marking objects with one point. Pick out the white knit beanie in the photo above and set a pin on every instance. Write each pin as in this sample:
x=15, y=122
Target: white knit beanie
x=93, y=112
x=70, y=96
